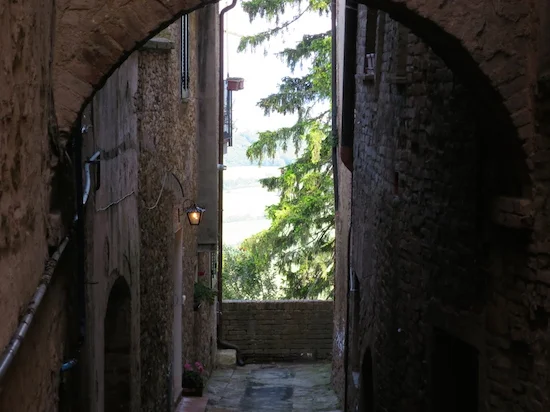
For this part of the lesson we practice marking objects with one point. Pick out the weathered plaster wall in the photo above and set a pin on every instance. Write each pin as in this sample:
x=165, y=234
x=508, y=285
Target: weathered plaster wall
x=290, y=330
x=342, y=220
x=112, y=222
x=33, y=381
x=207, y=117
x=29, y=168
x=427, y=248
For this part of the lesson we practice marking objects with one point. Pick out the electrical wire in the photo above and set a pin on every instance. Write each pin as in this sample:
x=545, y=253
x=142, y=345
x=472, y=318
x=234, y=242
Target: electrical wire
x=160, y=194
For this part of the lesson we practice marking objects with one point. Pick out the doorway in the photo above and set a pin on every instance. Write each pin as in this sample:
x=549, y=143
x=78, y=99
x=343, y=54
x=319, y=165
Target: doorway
x=454, y=374
x=366, y=400
x=117, y=348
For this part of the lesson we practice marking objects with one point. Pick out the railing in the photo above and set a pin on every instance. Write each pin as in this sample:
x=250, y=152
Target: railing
x=228, y=116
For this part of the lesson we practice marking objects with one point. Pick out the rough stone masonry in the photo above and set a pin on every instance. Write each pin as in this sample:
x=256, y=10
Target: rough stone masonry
x=450, y=308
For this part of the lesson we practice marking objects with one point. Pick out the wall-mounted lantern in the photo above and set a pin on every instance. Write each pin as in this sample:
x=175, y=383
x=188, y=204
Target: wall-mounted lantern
x=194, y=214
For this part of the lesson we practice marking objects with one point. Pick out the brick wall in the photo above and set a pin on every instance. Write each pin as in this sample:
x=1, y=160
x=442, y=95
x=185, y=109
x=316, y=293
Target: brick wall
x=279, y=330
x=413, y=215
x=435, y=246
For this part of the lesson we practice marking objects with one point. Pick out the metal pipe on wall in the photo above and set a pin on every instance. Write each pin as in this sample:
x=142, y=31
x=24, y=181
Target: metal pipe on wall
x=348, y=92
x=11, y=350
x=348, y=131
x=334, y=106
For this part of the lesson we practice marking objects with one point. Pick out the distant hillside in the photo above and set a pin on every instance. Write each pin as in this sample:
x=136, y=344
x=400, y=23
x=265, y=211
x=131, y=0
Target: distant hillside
x=236, y=154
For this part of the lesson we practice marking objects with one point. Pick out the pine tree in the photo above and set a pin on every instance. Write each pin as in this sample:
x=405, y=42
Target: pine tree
x=299, y=244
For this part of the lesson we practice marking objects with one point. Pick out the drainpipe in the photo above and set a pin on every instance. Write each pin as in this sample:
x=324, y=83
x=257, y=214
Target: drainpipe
x=15, y=343
x=334, y=107
x=350, y=67
x=11, y=350
x=348, y=131
x=83, y=194
x=221, y=343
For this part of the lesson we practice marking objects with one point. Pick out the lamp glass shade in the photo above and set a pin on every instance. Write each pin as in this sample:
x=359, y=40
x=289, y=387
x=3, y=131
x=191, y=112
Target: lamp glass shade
x=194, y=214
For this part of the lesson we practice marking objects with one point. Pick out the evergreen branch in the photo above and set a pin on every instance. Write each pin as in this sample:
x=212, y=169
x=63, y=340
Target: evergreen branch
x=267, y=9
x=254, y=41
x=311, y=45
x=294, y=96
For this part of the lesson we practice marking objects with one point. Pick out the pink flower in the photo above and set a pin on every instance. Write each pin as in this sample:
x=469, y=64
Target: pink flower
x=199, y=367
x=188, y=367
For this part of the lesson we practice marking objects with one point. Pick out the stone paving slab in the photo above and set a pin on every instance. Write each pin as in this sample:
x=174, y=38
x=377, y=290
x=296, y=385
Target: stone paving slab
x=192, y=404
x=276, y=387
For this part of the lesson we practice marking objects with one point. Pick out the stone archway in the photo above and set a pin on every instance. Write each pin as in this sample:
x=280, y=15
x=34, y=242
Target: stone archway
x=93, y=40
x=475, y=41
x=491, y=62
x=117, y=349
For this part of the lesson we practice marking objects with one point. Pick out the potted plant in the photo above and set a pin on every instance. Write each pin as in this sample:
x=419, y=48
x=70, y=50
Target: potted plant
x=203, y=293
x=192, y=380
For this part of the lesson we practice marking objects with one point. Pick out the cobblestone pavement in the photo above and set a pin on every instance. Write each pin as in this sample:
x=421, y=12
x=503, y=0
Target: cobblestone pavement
x=277, y=387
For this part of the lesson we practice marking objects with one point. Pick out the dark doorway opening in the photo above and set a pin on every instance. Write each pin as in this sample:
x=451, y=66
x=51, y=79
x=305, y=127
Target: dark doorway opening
x=366, y=402
x=455, y=375
x=355, y=289
x=117, y=348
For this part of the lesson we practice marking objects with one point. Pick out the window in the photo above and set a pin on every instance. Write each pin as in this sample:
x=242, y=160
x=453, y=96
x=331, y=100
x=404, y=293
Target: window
x=370, y=42
x=184, y=56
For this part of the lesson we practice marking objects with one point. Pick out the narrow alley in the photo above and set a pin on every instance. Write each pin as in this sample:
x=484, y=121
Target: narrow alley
x=115, y=121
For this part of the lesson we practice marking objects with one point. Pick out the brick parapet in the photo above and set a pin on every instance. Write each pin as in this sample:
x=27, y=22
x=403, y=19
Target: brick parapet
x=279, y=330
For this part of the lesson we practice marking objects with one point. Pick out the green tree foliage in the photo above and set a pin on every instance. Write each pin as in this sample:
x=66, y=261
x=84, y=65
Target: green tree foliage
x=244, y=276
x=299, y=244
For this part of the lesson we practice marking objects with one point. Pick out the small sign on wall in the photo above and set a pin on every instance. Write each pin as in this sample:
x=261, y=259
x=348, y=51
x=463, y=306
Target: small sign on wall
x=177, y=217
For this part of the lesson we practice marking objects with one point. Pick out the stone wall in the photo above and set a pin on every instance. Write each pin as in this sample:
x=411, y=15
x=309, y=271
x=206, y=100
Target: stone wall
x=169, y=150
x=136, y=225
x=168, y=141
x=431, y=258
x=279, y=330
x=33, y=162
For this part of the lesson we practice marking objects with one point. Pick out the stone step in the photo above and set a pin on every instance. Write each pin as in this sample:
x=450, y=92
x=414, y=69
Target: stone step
x=226, y=358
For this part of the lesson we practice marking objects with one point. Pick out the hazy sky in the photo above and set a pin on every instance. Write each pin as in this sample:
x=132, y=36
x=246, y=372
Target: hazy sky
x=262, y=71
